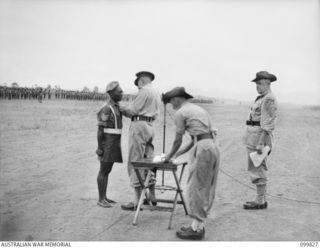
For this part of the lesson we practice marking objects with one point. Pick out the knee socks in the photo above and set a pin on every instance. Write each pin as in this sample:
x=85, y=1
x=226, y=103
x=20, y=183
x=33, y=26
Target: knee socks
x=261, y=193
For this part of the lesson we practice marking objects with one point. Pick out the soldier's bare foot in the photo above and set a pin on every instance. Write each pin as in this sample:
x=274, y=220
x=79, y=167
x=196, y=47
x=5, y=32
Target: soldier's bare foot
x=109, y=200
x=104, y=204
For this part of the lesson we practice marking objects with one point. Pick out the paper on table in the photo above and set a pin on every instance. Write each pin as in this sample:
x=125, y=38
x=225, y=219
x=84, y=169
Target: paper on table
x=258, y=158
x=158, y=158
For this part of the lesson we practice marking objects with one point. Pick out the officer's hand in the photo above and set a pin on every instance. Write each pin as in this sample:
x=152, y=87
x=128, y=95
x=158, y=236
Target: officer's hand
x=259, y=148
x=99, y=152
x=121, y=106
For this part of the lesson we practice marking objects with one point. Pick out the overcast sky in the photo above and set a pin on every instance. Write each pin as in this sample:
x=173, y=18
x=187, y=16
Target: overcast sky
x=213, y=48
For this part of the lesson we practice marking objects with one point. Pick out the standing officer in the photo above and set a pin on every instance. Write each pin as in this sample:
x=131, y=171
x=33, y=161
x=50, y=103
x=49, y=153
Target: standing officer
x=259, y=133
x=109, y=140
x=203, y=163
x=143, y=111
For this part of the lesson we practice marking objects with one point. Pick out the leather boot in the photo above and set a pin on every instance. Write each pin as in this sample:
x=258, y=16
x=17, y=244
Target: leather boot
x=132, y=206
x=190, y=234
x=260, y=202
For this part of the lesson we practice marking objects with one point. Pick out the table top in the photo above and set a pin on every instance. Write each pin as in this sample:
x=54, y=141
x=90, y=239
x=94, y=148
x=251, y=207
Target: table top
x=147, y=163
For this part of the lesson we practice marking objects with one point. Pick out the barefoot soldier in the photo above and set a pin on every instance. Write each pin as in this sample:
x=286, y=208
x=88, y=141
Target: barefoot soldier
x=109, y=140
x=259, y=133
x=203, y=161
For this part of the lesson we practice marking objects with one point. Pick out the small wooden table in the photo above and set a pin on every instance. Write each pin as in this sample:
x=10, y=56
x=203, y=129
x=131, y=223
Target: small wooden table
x=149, y=165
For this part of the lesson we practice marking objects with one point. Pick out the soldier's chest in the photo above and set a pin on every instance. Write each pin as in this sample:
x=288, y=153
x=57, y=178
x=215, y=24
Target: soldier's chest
x=256, y=107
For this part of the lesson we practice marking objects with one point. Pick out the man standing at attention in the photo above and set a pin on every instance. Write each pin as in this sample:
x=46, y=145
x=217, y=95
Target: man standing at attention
x=203, y=163
x=259, y=133
x=109, y=140
x=143, y=111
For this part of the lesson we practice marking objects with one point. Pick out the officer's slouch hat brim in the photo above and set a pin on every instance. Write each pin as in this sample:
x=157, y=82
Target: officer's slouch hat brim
x=176, y=92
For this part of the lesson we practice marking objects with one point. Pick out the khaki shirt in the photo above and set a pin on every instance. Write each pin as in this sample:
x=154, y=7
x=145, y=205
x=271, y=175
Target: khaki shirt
x=264, y=110
x=146, y=103
x=106, y=118
x=193, y=119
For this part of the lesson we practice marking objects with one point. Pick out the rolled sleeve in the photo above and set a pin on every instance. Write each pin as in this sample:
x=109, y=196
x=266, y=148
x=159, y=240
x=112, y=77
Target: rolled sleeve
x=268, y=114
x=179, y=122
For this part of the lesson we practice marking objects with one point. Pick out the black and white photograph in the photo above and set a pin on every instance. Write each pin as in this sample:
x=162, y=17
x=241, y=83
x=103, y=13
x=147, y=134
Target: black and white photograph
x=148, y=121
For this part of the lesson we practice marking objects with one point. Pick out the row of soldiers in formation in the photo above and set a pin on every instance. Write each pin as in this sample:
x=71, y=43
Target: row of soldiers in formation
x=40, y=94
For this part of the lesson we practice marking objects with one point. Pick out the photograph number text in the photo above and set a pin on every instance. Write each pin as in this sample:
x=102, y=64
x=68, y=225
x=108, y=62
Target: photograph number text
x=309, y=244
